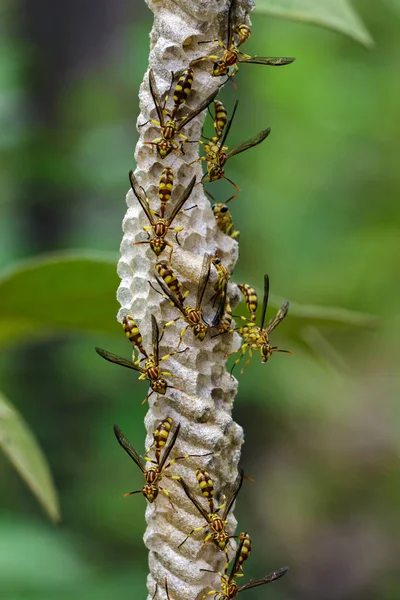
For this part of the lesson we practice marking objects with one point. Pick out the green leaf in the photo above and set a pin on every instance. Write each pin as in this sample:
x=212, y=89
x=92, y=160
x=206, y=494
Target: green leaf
x=334, y=14
x=59, y=292
x=21, y=447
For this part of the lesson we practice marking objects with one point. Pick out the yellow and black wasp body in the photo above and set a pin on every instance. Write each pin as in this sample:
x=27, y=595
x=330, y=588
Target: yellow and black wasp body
x=133, y=334
x=154, y=473
x=172, y=281
x=160, y=437
x=215, y=522
x=151, y=370
x=217, y=155
x=165, y=189
x=193, y=315
x=257, y=338
x=161, y=226
x=168, y=122
x=251, y=299
x=231, y=55
x=206, y=486
x=228, y=586
x=220, y=118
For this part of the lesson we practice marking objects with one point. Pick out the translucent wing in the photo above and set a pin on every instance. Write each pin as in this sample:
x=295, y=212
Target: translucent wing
x=167, y=449
x=233, y=494
x=231, y=16
x=257, y=139
x=182, y=199
x=265, y=301
x=118, y=360
x=280, y=315
x=235, y=565
x=197, y=504
x=156, y=97
x=272, y=61
x=155, y=337
x=229, y=124
x=140, y=195
x=129, y=449
x=267, y=579
x=204, y=276
x=196, y=111
x=167, y=292
x=221, y=307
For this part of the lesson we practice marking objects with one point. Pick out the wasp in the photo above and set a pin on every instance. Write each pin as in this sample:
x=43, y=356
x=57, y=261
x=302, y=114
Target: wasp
x=229, y=588
x=154, y=473
x=223, y=217
x=151, y=370
x=231, y=54
x=161, y=226
x=168, y=122
x=250, y=296
x=217, y=155
x=257, y=338
x=193, y=315
x=170, y=278
x=216, y=523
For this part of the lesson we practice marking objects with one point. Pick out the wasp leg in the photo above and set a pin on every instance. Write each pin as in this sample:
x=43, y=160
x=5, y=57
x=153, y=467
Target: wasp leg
x=168, y=495
x=191, y=533
x=247, y=361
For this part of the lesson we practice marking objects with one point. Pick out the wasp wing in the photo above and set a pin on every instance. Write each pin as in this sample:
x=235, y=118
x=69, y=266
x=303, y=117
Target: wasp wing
x=118, y=360
x=167, y=449
x=235, y=565
x=272, y=61
x=197, y=504
x=229, y=125
x=233, y=494
x=167, y=292
x=221, y=307
x=280, y=315
x=231, y=16
x=182, y=200
x=204, y=276
x=155, y=337
x=265, y=301
x=129, y=449
x=267, y=579
x=257, y=139
x=140, y=195
x=196, y=111
x=156, y=97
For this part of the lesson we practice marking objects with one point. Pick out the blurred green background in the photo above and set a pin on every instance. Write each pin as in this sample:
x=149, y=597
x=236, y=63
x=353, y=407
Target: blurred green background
x=319, y=210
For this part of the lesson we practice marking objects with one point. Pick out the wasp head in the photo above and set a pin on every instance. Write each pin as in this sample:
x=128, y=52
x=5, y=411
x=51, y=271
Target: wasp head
x=199, y=331
x=150, y=492
x=159, y=386
x=164, y=147
x=219, y=68
x=157, y=245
